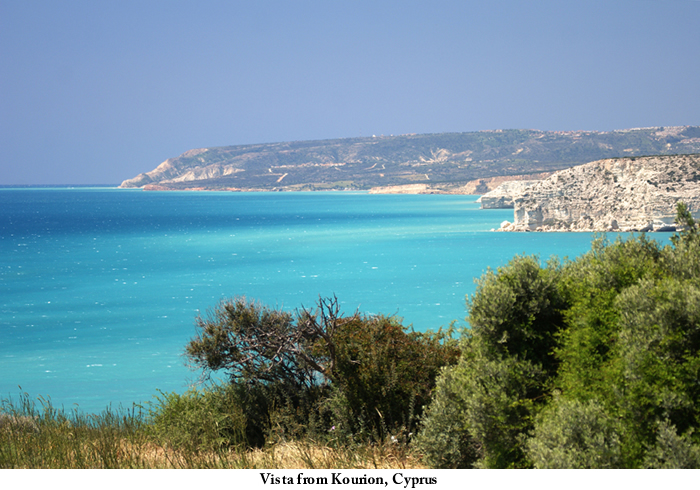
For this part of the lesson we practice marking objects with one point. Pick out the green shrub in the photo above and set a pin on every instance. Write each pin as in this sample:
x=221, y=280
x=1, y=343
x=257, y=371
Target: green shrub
x=516, y=311
x=495, y=400
x=199, y=420
x=385, y=374
x=672, y=451
x=444, y=439
x=505, y=369
x=575, y=435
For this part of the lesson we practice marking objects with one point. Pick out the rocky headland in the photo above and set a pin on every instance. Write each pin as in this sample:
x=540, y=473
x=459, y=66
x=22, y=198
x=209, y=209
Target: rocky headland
x=618, y=194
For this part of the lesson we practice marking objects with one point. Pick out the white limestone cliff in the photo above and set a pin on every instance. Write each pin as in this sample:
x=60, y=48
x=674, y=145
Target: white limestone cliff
x=502, y=196
x=621, y=194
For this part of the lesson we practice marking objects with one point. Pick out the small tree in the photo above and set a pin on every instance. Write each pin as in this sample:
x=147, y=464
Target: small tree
x=254, y=343
x=684, y=218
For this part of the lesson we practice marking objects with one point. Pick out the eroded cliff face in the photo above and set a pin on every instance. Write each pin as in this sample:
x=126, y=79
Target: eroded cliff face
x=169, y=171
x=502, y=196
x=622, y=194
x=485, y=186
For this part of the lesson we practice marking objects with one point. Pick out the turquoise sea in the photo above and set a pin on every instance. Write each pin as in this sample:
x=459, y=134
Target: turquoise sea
x=99, y=287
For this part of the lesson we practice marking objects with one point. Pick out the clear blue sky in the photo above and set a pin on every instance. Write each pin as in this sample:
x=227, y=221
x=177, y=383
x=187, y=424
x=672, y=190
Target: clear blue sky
x=99, y=91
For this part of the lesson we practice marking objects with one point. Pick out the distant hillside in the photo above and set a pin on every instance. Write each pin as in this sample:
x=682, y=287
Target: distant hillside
x=445, y=160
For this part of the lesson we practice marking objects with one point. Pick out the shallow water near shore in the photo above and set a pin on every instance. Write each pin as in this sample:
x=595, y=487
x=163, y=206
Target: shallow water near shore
x=99, y=287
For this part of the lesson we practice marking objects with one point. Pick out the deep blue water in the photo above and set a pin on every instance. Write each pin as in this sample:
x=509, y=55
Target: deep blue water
x=99, y=287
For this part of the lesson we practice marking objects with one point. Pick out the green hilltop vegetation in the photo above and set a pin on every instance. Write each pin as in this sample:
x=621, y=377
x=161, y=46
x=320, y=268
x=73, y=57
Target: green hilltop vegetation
x=444, y=159
x=585, y=363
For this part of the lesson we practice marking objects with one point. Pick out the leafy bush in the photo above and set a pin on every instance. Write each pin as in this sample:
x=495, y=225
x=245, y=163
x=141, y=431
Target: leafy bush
x=320, y=371
x=385, y=375
x=444, y=439
x=672, y=451
x=572, y=434
x=516, y=311
x=505, y=369
x=199, y=420
x=252, y=343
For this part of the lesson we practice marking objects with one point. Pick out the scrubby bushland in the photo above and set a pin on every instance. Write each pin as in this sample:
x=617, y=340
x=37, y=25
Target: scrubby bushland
x=586, y=363
x=317, y=373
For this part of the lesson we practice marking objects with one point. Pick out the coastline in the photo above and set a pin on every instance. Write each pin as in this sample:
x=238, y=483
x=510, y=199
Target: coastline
x=478, y=186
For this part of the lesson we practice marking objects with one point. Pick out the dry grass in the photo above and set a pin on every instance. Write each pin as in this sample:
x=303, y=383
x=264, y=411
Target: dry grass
x=43, y=437
x=301, y=455
x=292, y=455
x=70, y=447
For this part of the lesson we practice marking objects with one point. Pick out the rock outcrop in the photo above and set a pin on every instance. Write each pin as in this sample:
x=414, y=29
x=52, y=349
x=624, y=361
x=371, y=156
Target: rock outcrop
x=621, y=194
x=502, y=196
x=484, y=186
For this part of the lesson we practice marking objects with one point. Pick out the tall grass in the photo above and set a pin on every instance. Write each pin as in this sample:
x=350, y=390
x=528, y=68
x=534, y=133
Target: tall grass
x=42, y=436
x=175, y=432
